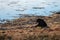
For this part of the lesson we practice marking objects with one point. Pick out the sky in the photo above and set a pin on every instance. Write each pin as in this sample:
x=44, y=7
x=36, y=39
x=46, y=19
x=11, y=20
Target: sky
x=10, y=8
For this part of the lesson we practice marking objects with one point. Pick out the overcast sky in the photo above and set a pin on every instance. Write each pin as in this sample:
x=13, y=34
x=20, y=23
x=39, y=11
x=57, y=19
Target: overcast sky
x=10, y=8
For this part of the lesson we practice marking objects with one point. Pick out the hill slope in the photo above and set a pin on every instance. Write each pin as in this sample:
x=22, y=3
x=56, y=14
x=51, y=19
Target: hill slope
x=24, y=29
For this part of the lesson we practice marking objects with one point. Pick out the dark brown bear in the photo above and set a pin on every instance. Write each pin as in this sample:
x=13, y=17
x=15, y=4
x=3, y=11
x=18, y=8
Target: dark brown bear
x=41, y=23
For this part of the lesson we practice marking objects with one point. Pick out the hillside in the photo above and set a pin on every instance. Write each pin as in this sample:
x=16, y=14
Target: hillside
x=24, y=28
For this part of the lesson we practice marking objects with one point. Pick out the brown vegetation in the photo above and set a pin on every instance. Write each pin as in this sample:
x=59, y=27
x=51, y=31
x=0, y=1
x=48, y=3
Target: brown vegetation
x=24, y=29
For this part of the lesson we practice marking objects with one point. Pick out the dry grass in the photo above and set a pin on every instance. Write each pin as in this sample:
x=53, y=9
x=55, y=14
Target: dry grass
x=23, y=29
x=30, y=34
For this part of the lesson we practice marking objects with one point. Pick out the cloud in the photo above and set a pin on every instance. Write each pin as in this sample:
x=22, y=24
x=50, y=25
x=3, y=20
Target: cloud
x=19, y=5
x=24, y=3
